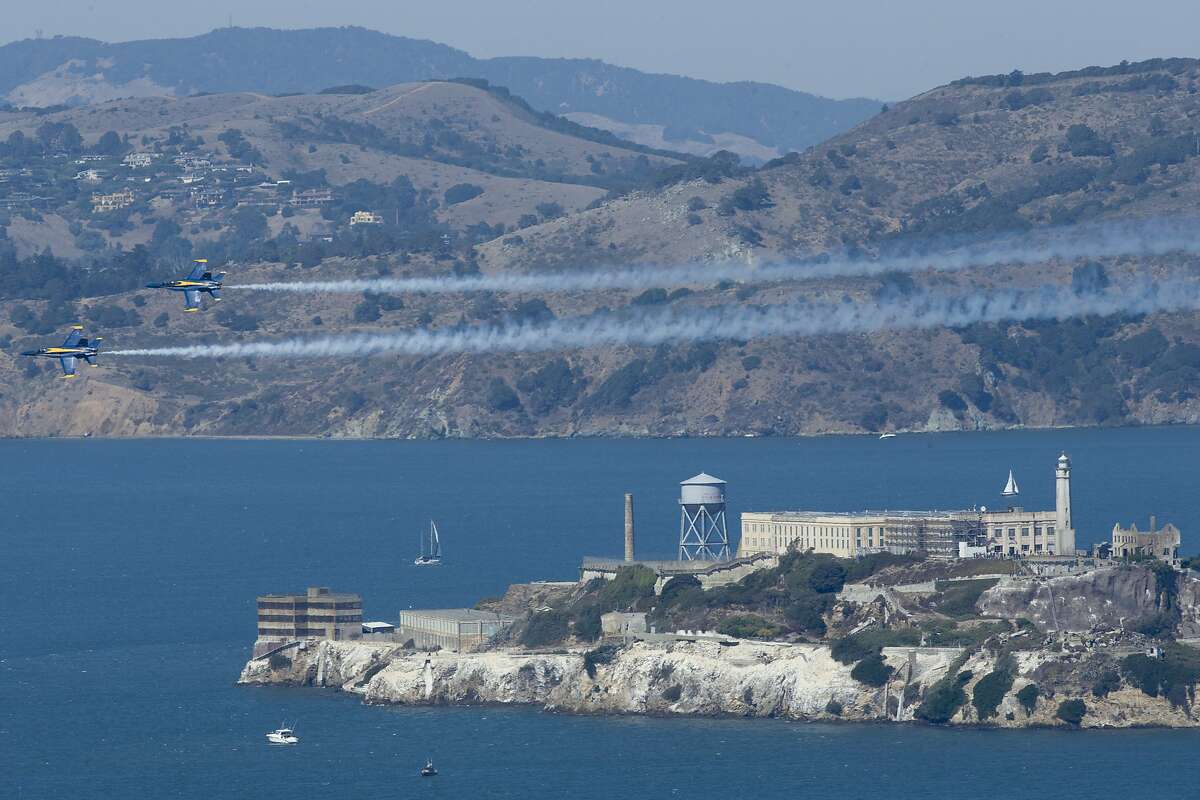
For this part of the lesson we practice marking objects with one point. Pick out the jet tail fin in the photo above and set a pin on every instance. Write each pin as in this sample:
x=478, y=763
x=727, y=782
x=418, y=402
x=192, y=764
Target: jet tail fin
x=96, y=344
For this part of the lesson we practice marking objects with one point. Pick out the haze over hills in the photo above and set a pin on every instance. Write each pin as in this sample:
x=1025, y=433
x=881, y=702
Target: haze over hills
x=982, y=156
x=755, y=119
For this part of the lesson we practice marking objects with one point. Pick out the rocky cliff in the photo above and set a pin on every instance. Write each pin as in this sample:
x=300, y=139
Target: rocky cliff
x=752, y=679
x=1111, y=597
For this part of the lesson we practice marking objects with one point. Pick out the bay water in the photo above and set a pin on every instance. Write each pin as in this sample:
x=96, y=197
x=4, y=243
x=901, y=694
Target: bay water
x=129, y=569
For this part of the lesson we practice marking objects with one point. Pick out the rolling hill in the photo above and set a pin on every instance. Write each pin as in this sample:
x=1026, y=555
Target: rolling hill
x=506, y=160
x=682, y=113
x=981, y=156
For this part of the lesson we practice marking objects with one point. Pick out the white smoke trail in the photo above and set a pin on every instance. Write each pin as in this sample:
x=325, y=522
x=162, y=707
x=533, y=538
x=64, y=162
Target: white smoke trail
x=724, y=322
x=1107, y=240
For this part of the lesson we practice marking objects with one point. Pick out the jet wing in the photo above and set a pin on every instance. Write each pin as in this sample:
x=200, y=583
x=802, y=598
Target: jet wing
x=191, y=300
x=68, y=366
x=73, y=337
x=197, y=270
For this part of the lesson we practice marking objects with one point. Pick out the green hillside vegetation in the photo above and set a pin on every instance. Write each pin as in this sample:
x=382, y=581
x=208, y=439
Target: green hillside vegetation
x=943, y=700
x=767, y=604
x=1072, y=712
x=989, y=692
x=1174, y=676
x=872, y=671
x=1028, y=697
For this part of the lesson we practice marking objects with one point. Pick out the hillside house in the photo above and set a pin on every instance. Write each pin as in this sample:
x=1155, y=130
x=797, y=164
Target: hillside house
x=139, y=160
x=365, y=218
x=311, y=198
x=102, y=203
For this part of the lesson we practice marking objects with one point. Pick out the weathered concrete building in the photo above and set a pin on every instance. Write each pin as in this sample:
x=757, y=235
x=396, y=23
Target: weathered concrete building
x=1161, y=543
x=1011, y=532
x=458, y=629
x=318, y=613
x=623, y=624
x=709, y=573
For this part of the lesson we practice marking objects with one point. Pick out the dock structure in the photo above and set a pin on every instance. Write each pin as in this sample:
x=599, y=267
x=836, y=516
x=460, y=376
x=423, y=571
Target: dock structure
x=458, y=629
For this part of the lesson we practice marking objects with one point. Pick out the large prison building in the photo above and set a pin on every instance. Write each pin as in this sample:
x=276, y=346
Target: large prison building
x=1012, y=532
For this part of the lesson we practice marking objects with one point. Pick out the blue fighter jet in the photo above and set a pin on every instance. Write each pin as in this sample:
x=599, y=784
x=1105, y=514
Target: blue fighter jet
x=73, y=348
x=197, y=281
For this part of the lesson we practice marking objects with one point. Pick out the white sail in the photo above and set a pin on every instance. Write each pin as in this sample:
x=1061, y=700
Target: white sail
x=434, y=556
x=1010, y=488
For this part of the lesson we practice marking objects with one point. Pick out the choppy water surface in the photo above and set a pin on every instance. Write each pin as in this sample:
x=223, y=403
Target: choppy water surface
x=128, y=610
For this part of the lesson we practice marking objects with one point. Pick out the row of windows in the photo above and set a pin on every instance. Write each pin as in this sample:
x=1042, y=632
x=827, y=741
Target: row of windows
x=307, y=606
x=1012, y=549
x=798, y=530
x=354, y=632
x=301, y=620
x=998, y=533
x=320, y=618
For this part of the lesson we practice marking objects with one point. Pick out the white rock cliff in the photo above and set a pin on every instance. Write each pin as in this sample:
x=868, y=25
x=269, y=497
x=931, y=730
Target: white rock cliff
x=756, y=679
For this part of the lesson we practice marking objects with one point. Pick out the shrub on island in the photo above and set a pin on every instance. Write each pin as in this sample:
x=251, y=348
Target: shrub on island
x=544, y=628
x=944, y=699
x=1028, y=697
x=990, y=691
x=749, y=626
x=1071, y=711
x=872, y=670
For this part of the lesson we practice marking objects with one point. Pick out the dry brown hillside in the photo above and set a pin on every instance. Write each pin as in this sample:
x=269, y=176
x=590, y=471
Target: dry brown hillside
x=982, y=156
x=972, y=157
x=436, y=134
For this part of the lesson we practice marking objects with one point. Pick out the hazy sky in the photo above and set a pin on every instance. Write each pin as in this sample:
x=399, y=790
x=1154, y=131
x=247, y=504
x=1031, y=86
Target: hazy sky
x=839, y=48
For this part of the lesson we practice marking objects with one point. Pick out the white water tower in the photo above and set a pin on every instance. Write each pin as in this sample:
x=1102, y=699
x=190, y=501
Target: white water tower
x=703, y=535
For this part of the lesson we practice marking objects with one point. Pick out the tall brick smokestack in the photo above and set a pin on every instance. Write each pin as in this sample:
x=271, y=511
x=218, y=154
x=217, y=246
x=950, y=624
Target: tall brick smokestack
x=628, y=527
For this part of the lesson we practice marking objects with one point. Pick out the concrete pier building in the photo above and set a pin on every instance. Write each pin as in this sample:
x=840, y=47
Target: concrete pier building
x=318, y=613
x=1011, y=532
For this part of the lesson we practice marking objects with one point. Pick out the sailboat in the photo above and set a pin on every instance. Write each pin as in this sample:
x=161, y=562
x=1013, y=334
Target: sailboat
x=434, y=556
x=1010, y=488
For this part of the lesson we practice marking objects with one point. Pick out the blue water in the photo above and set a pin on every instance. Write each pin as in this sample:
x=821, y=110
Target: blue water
x=128, y=610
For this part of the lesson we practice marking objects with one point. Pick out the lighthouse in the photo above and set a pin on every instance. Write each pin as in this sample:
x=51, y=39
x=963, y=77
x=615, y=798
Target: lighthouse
x=1062, y=505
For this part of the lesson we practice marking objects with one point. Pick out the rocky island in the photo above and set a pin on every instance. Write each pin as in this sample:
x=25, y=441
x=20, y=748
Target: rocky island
x=809, y=637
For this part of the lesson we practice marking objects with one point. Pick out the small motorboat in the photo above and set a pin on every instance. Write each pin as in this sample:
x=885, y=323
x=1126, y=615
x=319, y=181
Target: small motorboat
x=283, y=736
x=428, y=771
x=887, y=436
